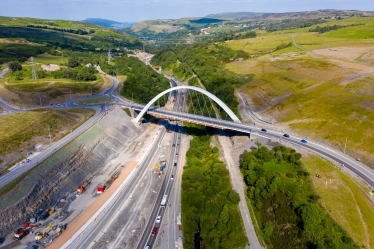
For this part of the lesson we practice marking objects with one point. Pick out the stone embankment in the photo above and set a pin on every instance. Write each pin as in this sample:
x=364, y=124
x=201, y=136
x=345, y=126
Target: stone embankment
x=67, y=169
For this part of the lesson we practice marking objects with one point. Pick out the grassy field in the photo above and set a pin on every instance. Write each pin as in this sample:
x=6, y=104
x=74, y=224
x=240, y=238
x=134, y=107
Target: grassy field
x=309, y=94
x=20, y=131
x=267, y=42
x=264, y=43
x=94, y=101
x=19, y=128
x=344, y=200
x=50, y=59
x=353, y=35
x=127, y=110
x=306, y=96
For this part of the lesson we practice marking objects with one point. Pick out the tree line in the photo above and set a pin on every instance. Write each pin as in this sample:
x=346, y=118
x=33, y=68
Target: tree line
x=285, y=204
x=206, y=61
x=210, y=214
x=73, y=31
x=330, y=28
x=142, y=83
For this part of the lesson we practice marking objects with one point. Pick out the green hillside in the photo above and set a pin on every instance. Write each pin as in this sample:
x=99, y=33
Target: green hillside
x=21, y=38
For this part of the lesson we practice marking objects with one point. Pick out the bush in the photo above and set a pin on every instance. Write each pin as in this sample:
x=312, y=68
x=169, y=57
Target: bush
x=14, y=66
x=285, y=203
x=209, y=204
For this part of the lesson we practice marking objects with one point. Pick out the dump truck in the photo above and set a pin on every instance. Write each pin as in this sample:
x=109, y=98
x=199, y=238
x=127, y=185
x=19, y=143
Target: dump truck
x=20, y=233
x=100, y=189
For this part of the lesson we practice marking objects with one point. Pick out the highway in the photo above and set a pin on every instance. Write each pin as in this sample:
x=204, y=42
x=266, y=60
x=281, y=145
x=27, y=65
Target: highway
x=107, y=218
x=147, y=238
x=358, y=168
x=172, y=166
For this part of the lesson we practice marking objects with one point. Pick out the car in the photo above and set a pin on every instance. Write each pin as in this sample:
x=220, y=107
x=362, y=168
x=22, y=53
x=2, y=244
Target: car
x=303, y=141
x=176, y=154
x=172, y=177
x=173, y=145
x=154, y=231
x=177, y=144
x=175, y=164
x=264, y=130
x=286, y=135
x=147, y=247
x=158, y=219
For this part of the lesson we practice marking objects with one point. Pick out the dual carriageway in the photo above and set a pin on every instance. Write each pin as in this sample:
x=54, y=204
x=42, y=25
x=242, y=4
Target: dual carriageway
x=177, y=115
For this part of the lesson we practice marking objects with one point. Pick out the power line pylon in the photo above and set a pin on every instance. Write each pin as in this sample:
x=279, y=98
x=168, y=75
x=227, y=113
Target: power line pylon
x=109, y=56
x=34, y=75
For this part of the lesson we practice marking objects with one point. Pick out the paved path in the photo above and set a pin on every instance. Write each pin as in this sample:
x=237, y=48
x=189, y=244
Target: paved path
x=238, y=184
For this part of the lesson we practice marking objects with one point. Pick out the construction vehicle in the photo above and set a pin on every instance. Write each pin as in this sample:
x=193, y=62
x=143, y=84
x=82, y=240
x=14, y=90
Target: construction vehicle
x=100, y=189
x=82, y=187
x=20, y=233
x=45, y=215
x=60, y=228
x=39, y=235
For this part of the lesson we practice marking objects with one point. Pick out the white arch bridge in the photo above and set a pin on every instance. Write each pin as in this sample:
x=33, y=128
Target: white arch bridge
x=197, y=89
x=363, y=171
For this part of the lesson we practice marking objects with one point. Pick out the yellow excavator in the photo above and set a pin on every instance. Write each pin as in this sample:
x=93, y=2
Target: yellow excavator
x=39, y=235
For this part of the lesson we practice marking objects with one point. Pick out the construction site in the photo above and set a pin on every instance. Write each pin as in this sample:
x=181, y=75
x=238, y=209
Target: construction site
x=41, y=206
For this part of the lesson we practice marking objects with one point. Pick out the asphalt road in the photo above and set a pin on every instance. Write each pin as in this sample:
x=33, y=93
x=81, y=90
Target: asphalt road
x=86, y=241
x=172, y=166
x=360, y=169
x=147, y=238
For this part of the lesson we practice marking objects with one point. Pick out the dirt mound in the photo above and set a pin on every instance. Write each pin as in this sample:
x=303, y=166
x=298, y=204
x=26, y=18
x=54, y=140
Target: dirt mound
x=50, y=67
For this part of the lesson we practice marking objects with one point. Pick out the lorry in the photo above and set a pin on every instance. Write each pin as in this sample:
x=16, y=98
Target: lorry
x=162, y=165
x=100, y=189
x=164, y=200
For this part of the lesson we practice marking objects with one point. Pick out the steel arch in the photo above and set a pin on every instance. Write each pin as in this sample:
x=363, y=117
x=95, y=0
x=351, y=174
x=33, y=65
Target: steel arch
x=205, y=92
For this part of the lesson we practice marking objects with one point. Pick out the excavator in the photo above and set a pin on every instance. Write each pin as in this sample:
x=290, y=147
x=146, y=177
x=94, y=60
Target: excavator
x=39, y=235
x=82, y=187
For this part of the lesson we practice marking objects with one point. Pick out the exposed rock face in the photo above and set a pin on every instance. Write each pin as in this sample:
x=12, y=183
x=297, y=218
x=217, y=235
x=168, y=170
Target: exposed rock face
x=65, y=177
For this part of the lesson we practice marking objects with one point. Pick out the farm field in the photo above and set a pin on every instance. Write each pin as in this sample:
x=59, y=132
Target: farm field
x=344, y=200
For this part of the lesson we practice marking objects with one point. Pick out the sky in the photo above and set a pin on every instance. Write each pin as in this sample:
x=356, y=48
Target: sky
x=139, y=10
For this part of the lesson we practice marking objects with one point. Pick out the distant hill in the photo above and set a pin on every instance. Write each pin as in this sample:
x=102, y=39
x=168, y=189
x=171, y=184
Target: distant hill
x=234, y=15
x=109, y=23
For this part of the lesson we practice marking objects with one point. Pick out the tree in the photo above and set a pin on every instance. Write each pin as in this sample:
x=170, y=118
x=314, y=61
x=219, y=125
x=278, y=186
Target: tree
x=73, y=62
x=14, y=66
